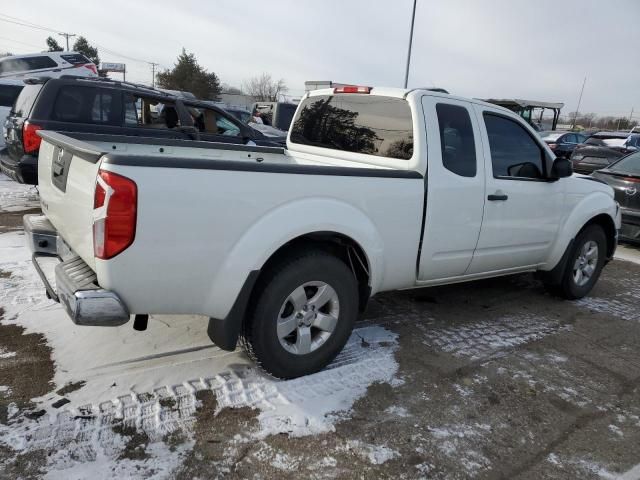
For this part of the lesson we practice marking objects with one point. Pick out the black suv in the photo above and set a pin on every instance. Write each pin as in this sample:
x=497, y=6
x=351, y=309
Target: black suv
x=75, y=104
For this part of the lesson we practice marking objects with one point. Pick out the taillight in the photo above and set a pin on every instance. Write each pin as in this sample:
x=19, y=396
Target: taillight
x=90, y=66
x=352, y=89
x=30, y=139
x=115, y=209
x=631, y=179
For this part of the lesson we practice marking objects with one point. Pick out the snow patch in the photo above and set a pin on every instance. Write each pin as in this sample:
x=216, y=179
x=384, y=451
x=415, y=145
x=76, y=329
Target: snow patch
x=15, y=197
x=397, y=411
x=5, y=354
x=375, y=454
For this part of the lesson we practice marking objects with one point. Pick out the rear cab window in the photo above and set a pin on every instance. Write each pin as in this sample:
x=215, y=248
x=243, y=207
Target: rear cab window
x=367, y=124
x=457, y=143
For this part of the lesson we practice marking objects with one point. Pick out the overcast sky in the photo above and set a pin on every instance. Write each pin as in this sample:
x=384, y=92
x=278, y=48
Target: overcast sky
x=538, y=49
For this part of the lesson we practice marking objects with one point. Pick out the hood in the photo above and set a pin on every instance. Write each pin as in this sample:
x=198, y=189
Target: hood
x=587, y=184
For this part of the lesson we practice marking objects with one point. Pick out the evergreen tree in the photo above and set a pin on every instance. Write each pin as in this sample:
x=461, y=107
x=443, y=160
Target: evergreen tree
x=82, y=46
x=53, y=45
x=188, y=76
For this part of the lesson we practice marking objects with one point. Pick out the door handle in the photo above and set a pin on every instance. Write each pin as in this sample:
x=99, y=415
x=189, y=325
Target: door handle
x=497, y=197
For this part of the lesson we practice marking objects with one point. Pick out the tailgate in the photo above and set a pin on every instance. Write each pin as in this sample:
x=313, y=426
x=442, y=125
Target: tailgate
x=67, y=170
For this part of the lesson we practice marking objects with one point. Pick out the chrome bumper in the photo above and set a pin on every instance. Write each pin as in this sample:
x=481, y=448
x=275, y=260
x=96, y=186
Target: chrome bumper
x=76, y=286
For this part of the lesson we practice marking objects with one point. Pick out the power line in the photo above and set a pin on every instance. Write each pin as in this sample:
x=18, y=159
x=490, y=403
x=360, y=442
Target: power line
x=28, y=25
x=22, y=43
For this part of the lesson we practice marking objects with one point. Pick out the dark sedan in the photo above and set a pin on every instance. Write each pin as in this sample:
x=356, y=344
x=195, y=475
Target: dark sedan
x=624, y=177
x=602, y=149
x=562, y=143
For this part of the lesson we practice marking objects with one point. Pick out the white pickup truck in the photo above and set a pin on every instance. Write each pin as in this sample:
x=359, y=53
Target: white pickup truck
x=378, y=189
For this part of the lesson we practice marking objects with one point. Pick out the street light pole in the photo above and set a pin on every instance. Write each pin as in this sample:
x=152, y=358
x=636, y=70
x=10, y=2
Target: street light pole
x=578, y=107
x=413, y=18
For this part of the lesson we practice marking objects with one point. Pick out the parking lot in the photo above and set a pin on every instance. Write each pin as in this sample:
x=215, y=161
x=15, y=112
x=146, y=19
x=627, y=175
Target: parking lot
x=493, y=379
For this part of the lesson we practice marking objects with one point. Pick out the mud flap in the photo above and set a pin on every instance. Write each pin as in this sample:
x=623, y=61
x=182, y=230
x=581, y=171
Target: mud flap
x=225, y=332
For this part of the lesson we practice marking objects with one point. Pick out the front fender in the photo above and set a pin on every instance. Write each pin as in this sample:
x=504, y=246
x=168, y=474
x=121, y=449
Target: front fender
x=592, y=205
x=283, y=224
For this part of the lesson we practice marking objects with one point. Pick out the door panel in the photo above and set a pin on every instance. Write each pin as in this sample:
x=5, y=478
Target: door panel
x=523, y=216
x=455, y=188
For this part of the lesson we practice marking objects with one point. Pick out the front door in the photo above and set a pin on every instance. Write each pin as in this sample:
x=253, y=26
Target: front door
x=455, y=194
x=523, y=207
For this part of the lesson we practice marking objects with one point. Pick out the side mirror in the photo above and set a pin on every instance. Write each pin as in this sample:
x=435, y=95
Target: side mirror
x=561, y=168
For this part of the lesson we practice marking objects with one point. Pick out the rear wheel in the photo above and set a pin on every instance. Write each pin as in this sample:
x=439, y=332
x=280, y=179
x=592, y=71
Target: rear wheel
x=304, y=313
x=584, y=265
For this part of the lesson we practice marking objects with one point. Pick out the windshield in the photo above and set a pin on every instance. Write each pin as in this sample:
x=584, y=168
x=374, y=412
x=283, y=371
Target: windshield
x=629, y=164
x=241, y=115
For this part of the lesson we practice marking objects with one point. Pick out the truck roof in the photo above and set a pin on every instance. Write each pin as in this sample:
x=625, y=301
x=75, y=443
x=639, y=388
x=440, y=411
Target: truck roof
x=404, y=92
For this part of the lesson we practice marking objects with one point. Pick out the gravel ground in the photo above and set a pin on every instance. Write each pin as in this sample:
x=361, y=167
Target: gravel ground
x=492, y=379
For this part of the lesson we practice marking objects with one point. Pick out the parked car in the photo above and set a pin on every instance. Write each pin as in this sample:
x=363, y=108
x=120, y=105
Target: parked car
x=624, y=177
x=283, y=248
x=240, y=113
x=9, y=90
x=50, y=64
x=562, y=143
x=97, y=105
x=602, y=149
x=275, y=114
x=274, y=134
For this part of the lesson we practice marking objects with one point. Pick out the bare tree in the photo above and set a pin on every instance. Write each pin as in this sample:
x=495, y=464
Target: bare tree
x=264, y=88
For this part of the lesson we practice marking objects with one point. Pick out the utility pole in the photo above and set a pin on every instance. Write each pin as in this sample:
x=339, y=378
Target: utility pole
x=66, y=36
x=630, y=117
x=153, y=74
x=413, y=18
x=575, y=116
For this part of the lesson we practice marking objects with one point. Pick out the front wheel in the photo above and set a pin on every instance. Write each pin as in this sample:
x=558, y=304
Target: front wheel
x=304, y=313
x=585, y=264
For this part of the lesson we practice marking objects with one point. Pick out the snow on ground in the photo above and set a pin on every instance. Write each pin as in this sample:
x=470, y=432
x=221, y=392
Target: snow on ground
x=15, y=197
x=628, y=253
x=148, y=380
x=485, y=339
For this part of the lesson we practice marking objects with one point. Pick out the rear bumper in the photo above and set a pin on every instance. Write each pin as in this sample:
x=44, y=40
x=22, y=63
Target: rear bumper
x=24, y=170
x=76, y=286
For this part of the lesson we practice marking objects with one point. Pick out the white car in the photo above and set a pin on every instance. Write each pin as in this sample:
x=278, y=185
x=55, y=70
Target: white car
x=378, y=189
x=10, y=88
x=48, y=64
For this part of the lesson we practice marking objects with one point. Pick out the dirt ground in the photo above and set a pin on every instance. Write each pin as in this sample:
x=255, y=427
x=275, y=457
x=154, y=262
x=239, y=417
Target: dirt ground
x=492, y=379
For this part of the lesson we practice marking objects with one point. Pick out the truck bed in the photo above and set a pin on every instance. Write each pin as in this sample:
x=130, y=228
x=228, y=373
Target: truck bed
x=208, y=214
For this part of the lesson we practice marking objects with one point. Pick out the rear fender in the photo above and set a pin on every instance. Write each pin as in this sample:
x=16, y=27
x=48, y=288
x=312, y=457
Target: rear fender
x=280, y=226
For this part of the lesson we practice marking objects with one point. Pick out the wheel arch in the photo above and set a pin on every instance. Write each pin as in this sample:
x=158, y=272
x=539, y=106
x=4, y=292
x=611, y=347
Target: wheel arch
x=597, y=208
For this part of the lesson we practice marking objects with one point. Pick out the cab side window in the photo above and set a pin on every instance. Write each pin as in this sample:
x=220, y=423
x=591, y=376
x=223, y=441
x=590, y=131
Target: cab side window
x=149, y=113
x=456, y=140
x=514, y=153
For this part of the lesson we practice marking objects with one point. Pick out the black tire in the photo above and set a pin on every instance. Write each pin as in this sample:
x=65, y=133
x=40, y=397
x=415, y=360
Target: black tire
x=259, y=334
x=568, y=287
